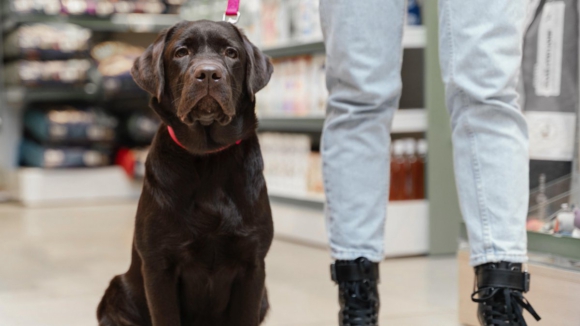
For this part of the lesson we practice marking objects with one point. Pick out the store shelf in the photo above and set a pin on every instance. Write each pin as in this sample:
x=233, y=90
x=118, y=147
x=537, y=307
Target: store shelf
x=17, y=96
x=114, y=23
x=405, y=121
x=413, y=37
x=294, y=48
x=307, y=197
x=554, y=245
x=38, y=187
x=291, y=124
x=406, y=230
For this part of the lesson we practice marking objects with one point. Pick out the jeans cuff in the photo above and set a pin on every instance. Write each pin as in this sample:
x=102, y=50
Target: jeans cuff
x=497, y=257
x=352, y=255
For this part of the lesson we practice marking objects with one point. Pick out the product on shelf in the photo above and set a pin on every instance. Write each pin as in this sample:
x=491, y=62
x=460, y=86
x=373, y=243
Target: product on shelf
x=275, y=21
x=91, y=7
x=45, y=7
x=107, y=49
x=36, y=155
x=137, y=128
x=286, y=161
x=550, y=210
x=203, y=9
x=115, y=60
x=47, y=41
x=296, y=89
x=315, y=180
x=413, y=12
x=47, y=73
x=419, y=169
x=291, y=168
x=549, y=86
x=70, y=125
x=547, y=198
x=565, y=220
x=408, y=169
x=305, y=20
x=398, y=173
x=132, y=161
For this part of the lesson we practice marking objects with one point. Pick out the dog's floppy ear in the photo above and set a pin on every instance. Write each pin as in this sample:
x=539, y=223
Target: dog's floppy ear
x=259, y=68
x=148, y=70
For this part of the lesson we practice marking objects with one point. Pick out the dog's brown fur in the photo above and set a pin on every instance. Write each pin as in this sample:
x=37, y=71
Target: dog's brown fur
x=203, y=225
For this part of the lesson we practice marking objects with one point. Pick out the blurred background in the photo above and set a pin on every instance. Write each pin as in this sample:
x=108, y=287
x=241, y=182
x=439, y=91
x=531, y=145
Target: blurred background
x=75, y=130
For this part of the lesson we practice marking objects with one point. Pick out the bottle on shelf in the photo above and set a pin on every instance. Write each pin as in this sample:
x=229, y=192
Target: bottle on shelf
x=397, y=171
x=419, y=169
x=409, y=168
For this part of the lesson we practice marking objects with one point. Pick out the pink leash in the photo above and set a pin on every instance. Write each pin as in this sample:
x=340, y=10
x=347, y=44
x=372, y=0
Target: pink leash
x=232, y=14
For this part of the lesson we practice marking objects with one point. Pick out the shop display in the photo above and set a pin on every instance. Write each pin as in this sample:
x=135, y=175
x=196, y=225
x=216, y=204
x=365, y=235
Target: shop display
x=408, y=169
x=36, y=155
x=66, y=136
x=69, y=125
x=203, y=9
x=291, y=167
x=286, y=161
x=550, y=102
x=115, y=60
x=132, y=161
x=137, y=128
x=549, y=209
x=47, y=73
x=49, y=55
x=550, y=88
x=45, y=7
x=47, y=41
x=413, y=12
x=305, y=20
x=315, y=179
x=297, y=88
x=89, y=7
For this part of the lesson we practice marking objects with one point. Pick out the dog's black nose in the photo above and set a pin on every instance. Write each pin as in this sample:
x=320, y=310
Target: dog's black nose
x=207, y=73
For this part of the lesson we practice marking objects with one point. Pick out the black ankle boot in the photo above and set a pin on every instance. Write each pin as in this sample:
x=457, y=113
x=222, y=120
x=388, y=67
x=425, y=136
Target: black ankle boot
x=358, y=294
x=500, y=288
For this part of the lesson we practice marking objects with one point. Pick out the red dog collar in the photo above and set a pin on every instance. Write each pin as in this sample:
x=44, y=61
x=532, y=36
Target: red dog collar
x=172, y=134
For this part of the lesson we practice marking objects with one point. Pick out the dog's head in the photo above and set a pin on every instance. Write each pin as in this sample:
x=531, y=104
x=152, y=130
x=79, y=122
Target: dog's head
x=202, y=74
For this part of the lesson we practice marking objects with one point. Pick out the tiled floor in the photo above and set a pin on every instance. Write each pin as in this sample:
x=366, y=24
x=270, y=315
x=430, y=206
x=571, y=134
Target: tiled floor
x=56, y=262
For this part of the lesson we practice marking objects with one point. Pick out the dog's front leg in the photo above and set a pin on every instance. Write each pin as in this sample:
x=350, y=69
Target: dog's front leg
x=246, y=297
x=161, y=292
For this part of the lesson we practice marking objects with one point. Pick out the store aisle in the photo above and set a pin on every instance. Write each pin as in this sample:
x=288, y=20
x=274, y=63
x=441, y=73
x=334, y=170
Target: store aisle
x=56, y=263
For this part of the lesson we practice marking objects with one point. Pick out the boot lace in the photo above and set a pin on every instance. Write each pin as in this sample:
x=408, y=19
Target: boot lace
x=360, y=307
x=503, y=306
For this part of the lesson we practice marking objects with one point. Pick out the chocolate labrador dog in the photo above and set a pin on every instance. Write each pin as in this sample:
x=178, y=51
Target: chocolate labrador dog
x=203, y=224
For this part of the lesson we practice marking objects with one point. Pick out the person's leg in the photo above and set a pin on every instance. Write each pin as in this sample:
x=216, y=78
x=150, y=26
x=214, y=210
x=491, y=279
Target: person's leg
x=363, y=65
x=481, y=53
x=363, y=46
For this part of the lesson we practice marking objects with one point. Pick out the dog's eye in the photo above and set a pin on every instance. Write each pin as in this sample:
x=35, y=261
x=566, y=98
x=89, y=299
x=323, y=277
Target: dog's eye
x=181, y=52
x=232, y=53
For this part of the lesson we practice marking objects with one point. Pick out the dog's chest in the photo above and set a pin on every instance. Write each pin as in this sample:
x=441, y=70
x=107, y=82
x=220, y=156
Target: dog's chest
x=215, y=252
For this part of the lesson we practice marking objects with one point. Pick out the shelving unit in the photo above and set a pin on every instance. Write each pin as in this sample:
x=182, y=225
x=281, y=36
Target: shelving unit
x=299, y=215
x=34, y=186
x=414, y=37
x=405, y=121
x=17, y=96
x=74, y=187
x=41, y=187
x=406, y=230
x=114, y=23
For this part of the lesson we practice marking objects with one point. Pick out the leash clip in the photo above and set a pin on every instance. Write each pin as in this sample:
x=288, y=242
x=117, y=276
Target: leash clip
x=231, y=19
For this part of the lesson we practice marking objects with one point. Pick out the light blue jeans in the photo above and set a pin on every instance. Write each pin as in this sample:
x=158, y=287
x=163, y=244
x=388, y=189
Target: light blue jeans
x=481, y=51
